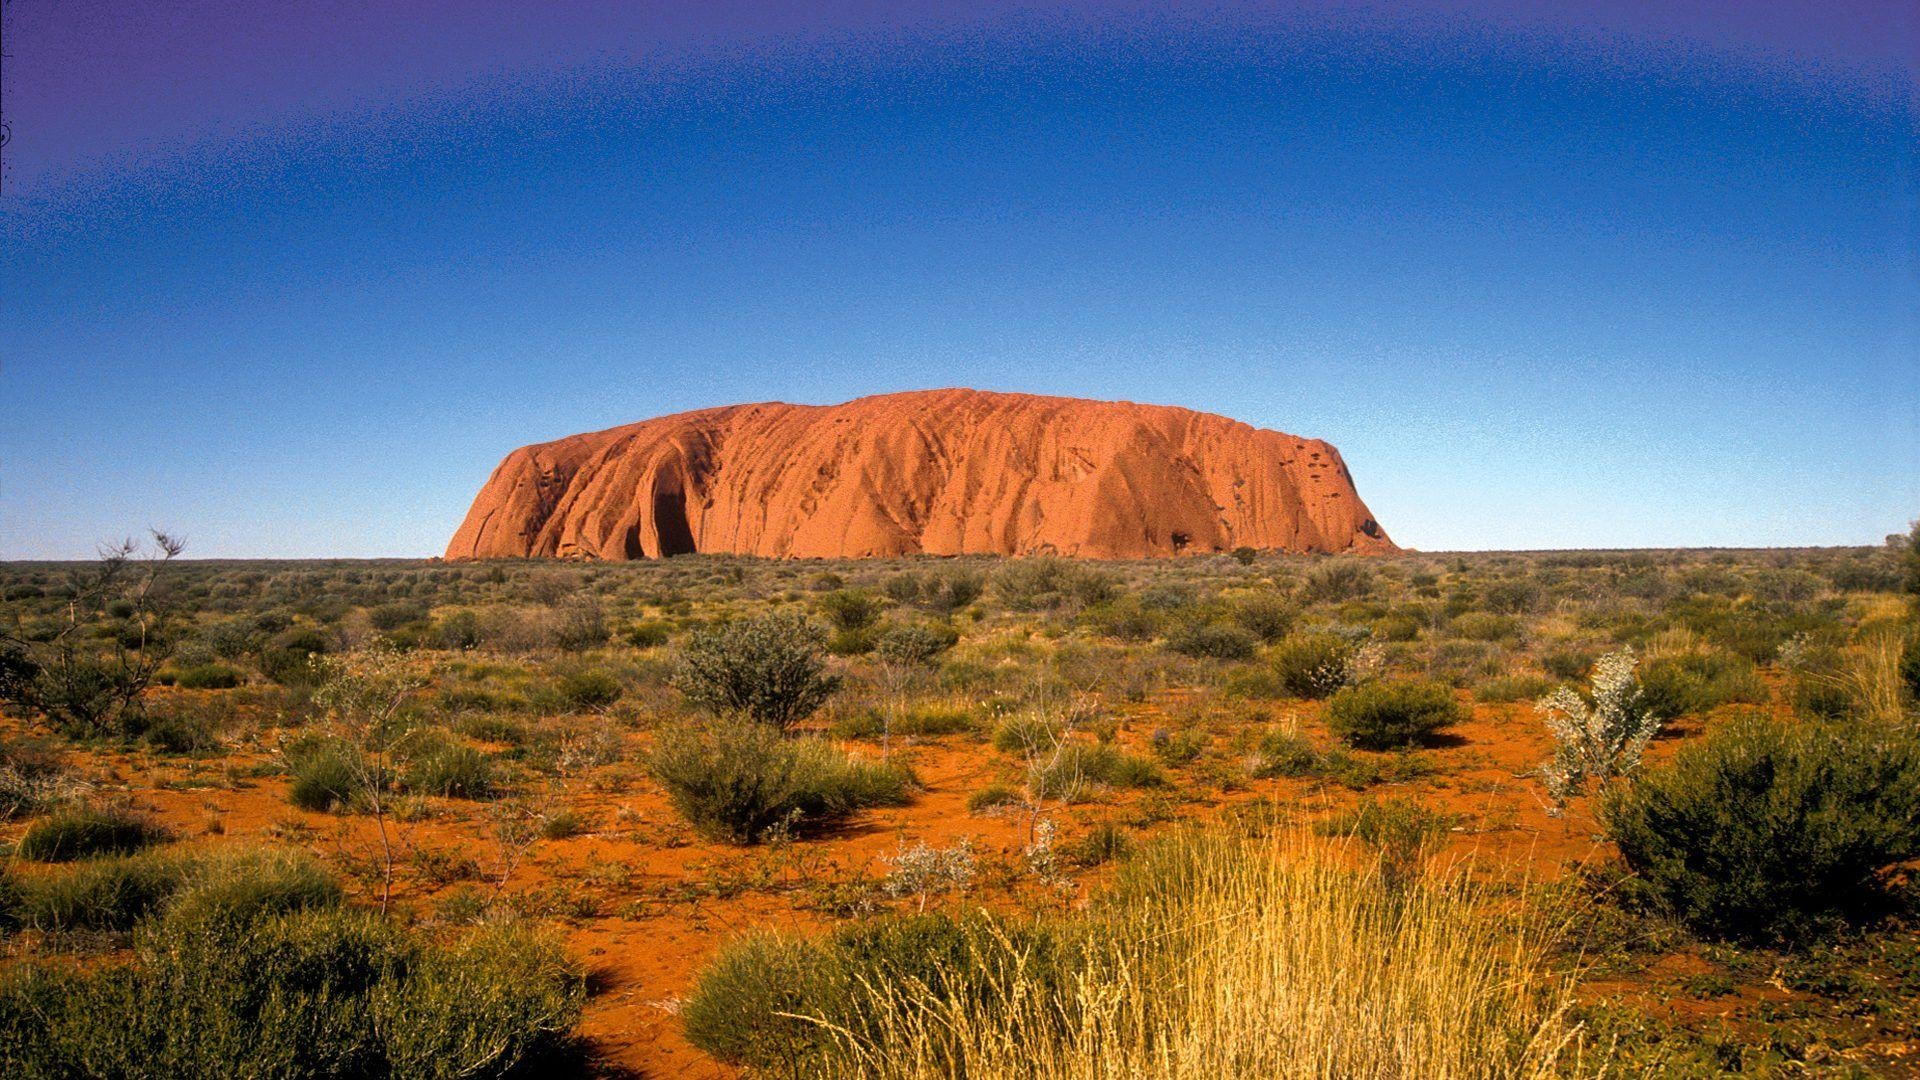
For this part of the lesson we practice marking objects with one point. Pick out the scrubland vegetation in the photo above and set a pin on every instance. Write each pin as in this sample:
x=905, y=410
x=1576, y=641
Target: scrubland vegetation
x=1553, y=814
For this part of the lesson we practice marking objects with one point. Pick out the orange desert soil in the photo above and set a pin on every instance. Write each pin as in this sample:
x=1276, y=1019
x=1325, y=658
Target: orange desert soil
x=645, y=903
x=939, y=472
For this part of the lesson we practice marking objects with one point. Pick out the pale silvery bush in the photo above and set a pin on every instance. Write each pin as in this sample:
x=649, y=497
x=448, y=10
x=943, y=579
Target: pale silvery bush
x=920, y=870
x=1595, y=741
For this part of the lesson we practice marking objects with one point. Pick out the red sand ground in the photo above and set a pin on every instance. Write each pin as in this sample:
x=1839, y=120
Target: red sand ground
x=661, y=901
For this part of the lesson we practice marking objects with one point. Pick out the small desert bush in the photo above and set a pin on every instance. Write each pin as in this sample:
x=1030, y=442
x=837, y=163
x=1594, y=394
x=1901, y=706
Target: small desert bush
x=768, y=668
x=1397, y=626
x=1125, y=619
x=1484, y=626
x=1266, y=615
x=992, y=797
x=914, y=644
x=1313, y=665
x=924, y=721
x=181, y=731
x=1402, y=832
x=589, y=689
x=1284, y=752
x=1338, y=580
x=82, y=832
x=1213, y=641
x=1044, y=582
x=1511, y=688
x=774, y=1002
x=1765, y=830
x=1391, y=714
x=314, y=993
x=240, y=885
x=1027, y=733
x=647, y=634
x=1077, y=769
x=1567, y=663
x=231, y=885
x=453, y=770
x=1599, y=735
x=328, y=773
x=851, y=609
x=32, y=780
x=737, y=780
x=1210, y=956
x=1177, y=747
x=102, y=894
x=1676, y=686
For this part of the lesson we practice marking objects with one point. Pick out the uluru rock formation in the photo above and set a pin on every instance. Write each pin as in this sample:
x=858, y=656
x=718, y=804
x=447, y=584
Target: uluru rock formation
x=940, y=472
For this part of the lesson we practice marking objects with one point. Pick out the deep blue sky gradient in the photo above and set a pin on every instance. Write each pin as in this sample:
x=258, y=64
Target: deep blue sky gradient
x=1541, y=291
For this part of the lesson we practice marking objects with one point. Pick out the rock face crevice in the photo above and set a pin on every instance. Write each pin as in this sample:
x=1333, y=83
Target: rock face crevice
x=940, y=472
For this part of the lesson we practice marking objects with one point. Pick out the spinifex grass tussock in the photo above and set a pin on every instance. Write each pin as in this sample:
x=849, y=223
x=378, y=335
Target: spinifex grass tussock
x=1211, y=957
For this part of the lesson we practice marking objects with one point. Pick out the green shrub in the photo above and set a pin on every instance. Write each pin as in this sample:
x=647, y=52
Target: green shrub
x=1769, y=831
x=757, y=1003
x=288, y=657
x=736, y=781
x=104, y=894
x=1386, y=715
x=317, y=993
x=1512, y=688
x=929, y=721
x=180, y=731
x=494, y=729
x=1281, y=752
x=1485, y=626
x=852, y=642
x=1025, y=733
x=1266, y=615
x=233, y=887
x=1313, y=665
x=1568, y=664
x=1079, y=768
x=1125, y=619
x=767, y=668
x=1822, y=696
x=453, y=770
x=1213, y=641
x=648, y=634
x=750, y=1003
x=457, y=631
x=1045, y=582
x=851, y=609
x=1178, y=747
x=390, y=617
x=991, y=797
x=921, y=722
x=1104, y=843
x=32, y=779
x=207, y=677
x=328, y=773
x=82, y=832
x=1674, y=686
x=1402, y=832
x=1910, y=667
x=914, y=644
x=1396, y=627
x=589, y=689
x=1338, y=580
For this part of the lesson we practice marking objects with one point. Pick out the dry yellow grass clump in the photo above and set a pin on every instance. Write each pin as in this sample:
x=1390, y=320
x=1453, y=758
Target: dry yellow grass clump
x=1224, y=957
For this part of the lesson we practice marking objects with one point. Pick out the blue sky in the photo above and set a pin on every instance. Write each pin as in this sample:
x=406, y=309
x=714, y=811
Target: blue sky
x=1543, y=287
